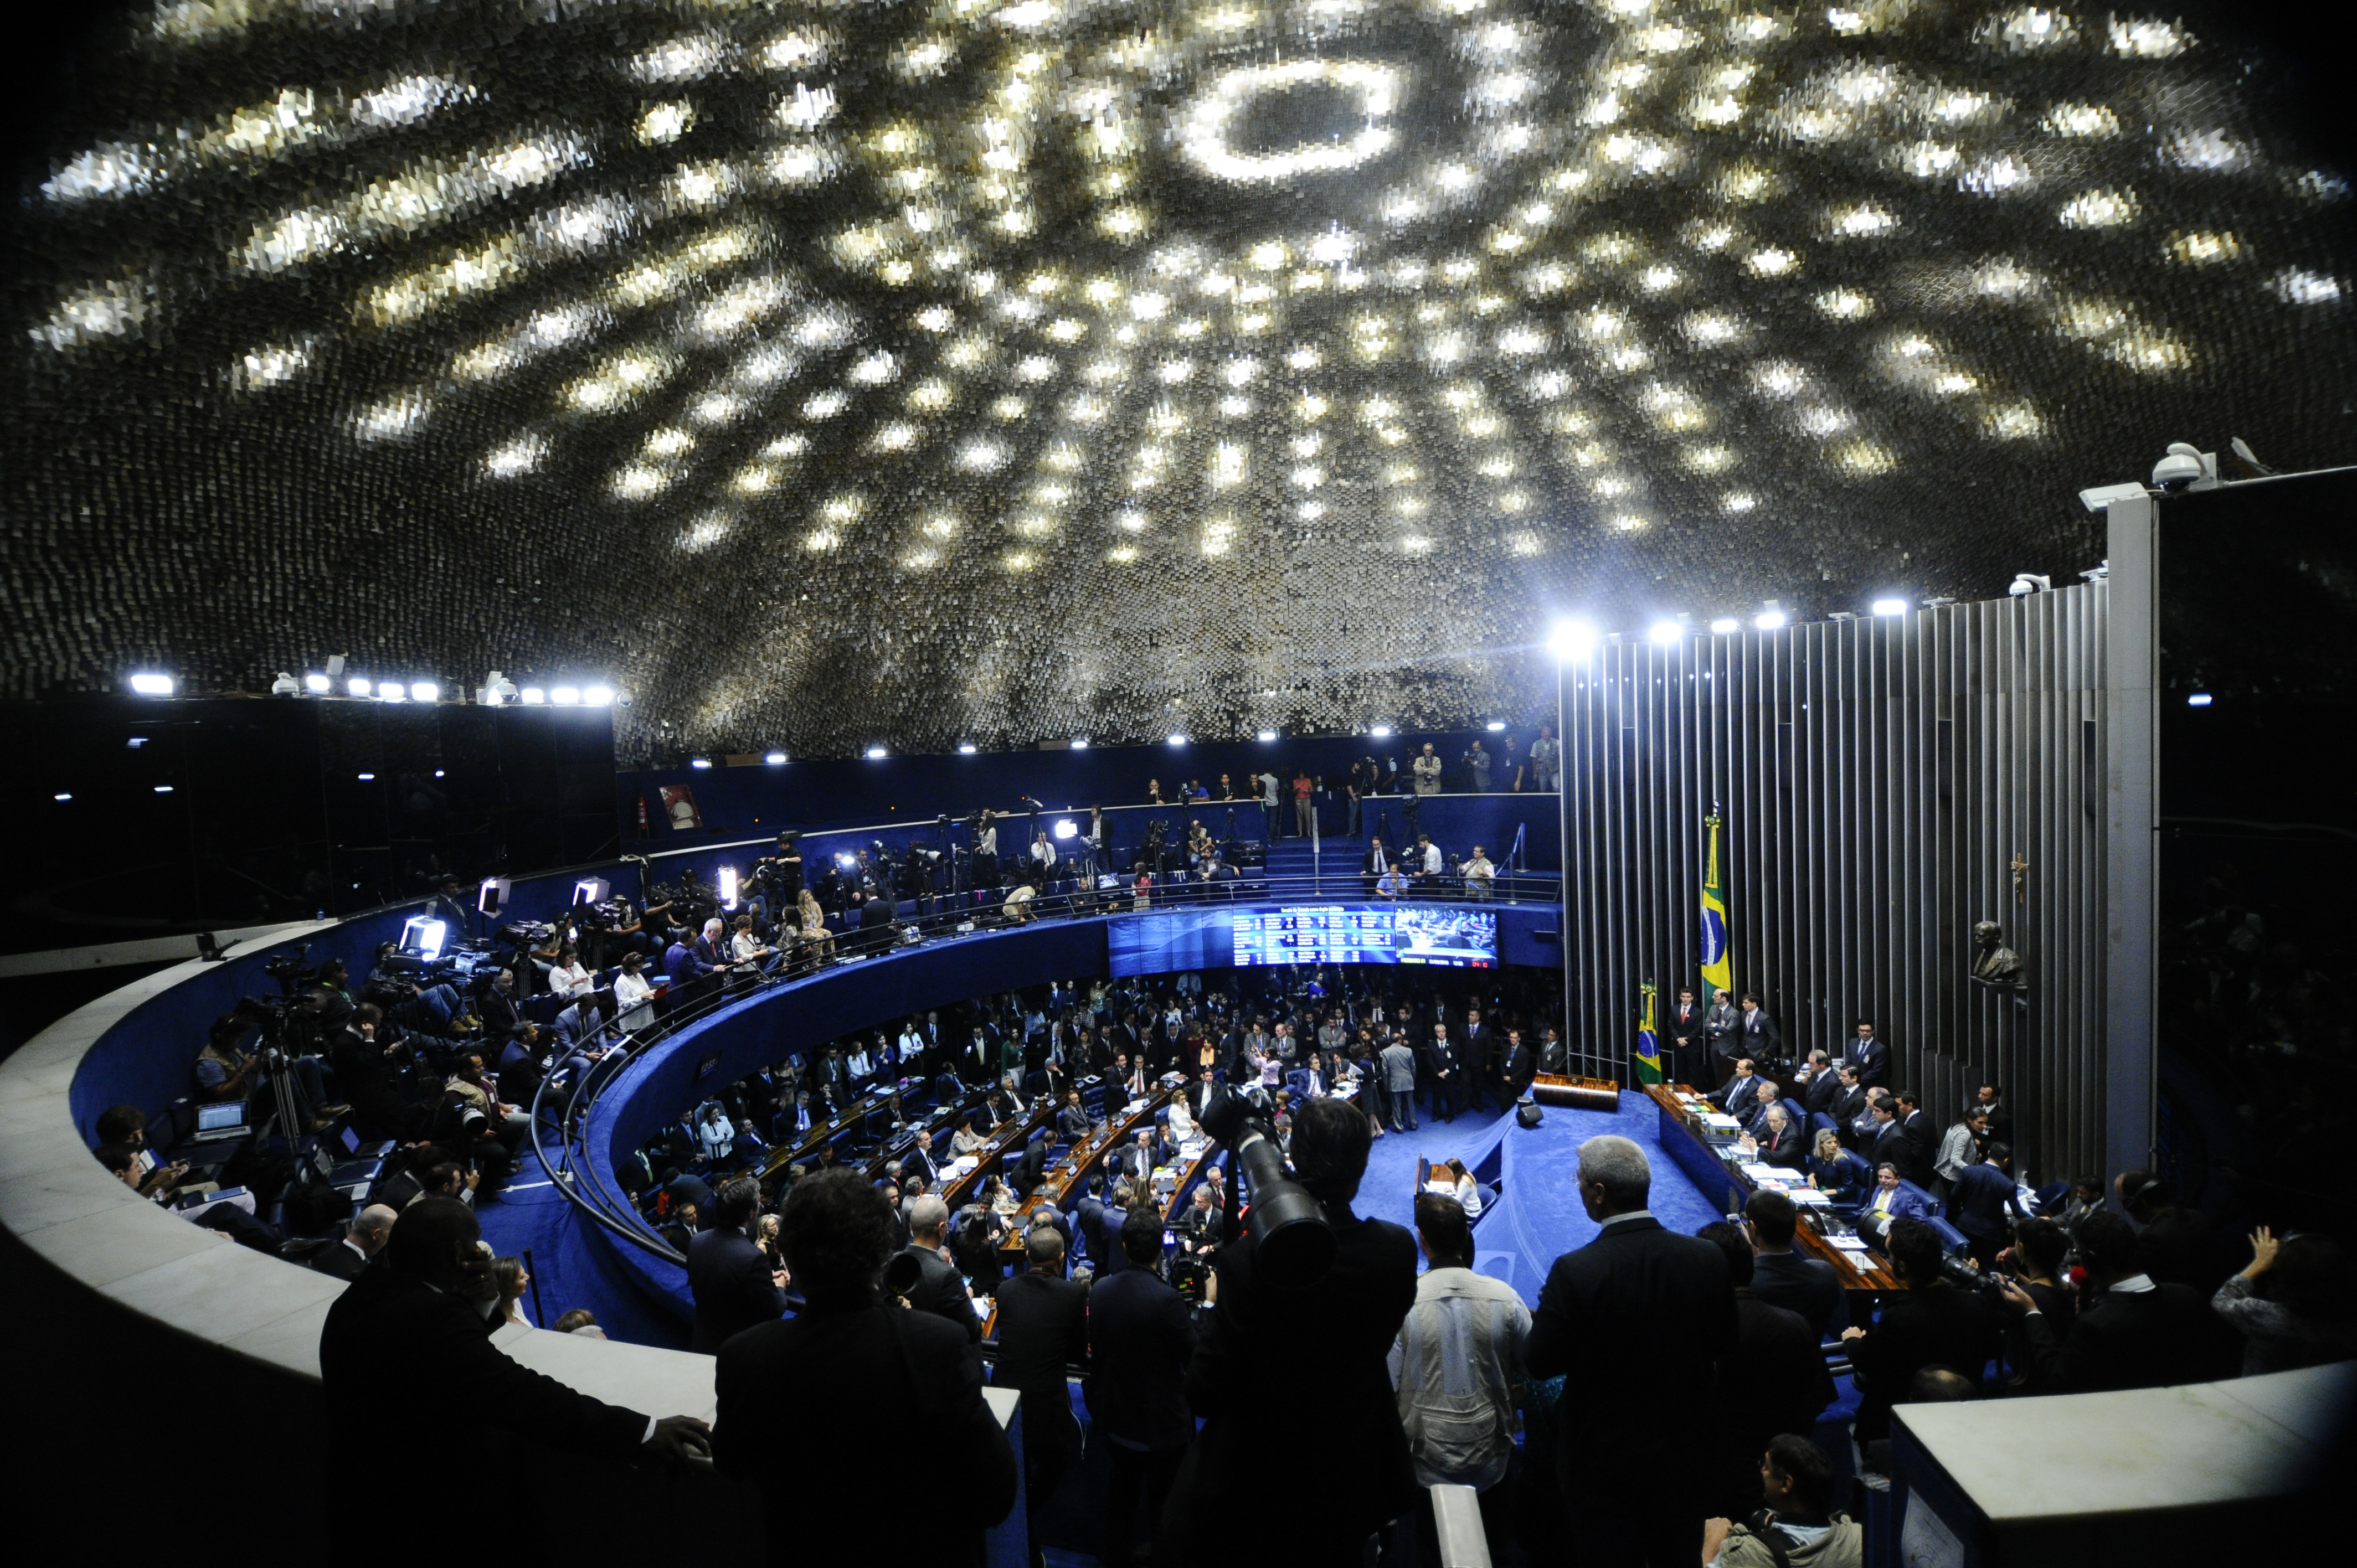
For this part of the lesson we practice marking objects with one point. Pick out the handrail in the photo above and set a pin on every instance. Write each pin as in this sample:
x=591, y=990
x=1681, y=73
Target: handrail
x=805, y=959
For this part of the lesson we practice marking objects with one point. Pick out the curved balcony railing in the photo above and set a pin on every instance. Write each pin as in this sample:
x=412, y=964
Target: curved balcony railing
x=562, y=1105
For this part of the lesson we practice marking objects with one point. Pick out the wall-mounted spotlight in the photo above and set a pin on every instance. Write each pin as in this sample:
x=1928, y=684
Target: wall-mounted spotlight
x=1066, y=827
x=565, y=696
x=1572, y=642
x=967, y=749
x=318, y=685
x=285, y=686
x=773, y=758
x=1178, y=740
x=426, y=690
x=596, y=696
x=1079, y=743
x=2028, y=583
x=150, y=684
x=531, y=696
x=876, y=754
x=1495, y=725
x=1770, y=619
x=1664, y=633
x=1381, y=732
x=358, y=686
x=2198, y=699
x=1725, y=625
x=392, y=692
x=1890, y=607
x=1266, y=734
x=699, y=762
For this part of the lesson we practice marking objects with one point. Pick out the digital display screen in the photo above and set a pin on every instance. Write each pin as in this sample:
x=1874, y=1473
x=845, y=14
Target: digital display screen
x=1369, y=933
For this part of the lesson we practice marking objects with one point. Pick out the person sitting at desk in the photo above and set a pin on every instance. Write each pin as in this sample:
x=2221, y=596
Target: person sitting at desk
x=1739, y=1094
x=1182, y=1120
x=1316, y=1083
x=1466, y=1191
x=919, y=1160
x=1832, y=1172
x=1778, y=1142
x=965, y=1140
x=1890, y=1203
x=1754, y=1113
x=1072, y=1120
x=1393, y=883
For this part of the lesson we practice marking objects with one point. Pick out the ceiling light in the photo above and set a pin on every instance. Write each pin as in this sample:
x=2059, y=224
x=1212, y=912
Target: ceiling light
x=61, y=797
x=596, y=696
x=1496, y=725
x=1572, y=642
x=357, y=687
x=699, y=762
x=1891, y=607
x=152, y=685
x=532, y=695
x=1081, y=743
x=1769, y=619
x=1178, y=740
x=565, y=696
x=1381, y=732
x=876, y=754
x=1725, y=624
x=2193, y=700
x=166, y=789
x=1268, y=735
x=967, y=749
x=1664, y=633
x=392, y=692
x=426, y=690
x=774, y=758
x=317, y=684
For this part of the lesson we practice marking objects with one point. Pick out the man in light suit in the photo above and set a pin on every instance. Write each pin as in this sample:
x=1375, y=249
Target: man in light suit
x=731, y=1278
x=1636, y=1279
x=1399, y=1083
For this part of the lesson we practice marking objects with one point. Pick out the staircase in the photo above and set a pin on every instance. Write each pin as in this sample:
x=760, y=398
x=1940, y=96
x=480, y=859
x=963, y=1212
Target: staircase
x=1290, y=863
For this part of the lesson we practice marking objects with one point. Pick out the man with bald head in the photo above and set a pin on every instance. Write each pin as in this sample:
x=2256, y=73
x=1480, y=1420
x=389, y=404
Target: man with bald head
x=921, y=1272
x=360, y=1244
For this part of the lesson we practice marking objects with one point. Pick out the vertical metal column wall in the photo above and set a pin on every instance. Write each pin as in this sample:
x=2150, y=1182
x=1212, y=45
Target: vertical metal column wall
x=1879, y=779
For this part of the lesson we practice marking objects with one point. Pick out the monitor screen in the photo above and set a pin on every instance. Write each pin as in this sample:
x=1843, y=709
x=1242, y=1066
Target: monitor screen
x=213, y=1118
x=1430, y=934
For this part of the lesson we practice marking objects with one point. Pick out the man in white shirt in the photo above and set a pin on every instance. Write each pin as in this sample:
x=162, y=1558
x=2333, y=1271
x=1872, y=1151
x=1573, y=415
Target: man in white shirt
x=1043, y=852
x=1428, y=854
x=1456, y=1364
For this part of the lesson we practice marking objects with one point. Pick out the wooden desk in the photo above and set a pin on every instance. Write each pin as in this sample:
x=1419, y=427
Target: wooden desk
x=1727, y=1186
x=1074, y=1166
x=1006, y=1136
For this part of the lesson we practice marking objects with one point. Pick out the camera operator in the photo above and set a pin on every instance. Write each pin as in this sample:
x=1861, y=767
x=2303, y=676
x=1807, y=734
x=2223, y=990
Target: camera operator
x=1932, y=1322
x=1260, y=1394
x=779, y=875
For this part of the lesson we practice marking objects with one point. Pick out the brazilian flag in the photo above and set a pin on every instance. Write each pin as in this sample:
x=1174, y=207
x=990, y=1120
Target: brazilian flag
x=1648, y=1059
x=1717, y=967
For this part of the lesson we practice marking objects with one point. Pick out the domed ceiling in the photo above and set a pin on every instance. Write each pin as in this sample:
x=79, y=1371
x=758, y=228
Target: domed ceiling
x=832, y=374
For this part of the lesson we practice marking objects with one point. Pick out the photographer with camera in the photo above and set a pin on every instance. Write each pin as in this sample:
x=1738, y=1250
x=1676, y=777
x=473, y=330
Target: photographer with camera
x=1930, y=1323
x=1299, y=1370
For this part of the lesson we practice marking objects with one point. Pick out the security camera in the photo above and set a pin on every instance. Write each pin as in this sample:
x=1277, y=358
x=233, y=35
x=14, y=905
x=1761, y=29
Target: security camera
x=2028, y=583
x=2184, y=468
x=285, y=686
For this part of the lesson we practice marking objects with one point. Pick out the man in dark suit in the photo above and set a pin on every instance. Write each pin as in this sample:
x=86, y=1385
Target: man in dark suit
x=1522, y=1064
x=1774, y=1382
x=2175, y=1245
x=870, y=1378
x=927, y=1281
x=1891, y=1143
x=1143, y=1336
x=1781, y=1277
x=1985, y=1204
x=1763, y=1041
x=1868, y=1053
x=1722, y=1025
x=370, y=1229
x=1633, y=1415
x=1302, y=1371
x=1739, y=1095
x=405, y=1356
x=1852, y=1108
x=727, y=1272
x=1043, y=1327
x=1820, y=1086
x=2140, y=1333
x=1032, y=1168
x=918, y=1159
x=1689, y=1046
x=1479, y=1051
x=1930, y=1323
x=1446, y=1069
x=1922, y=1138
x=1135, y=1159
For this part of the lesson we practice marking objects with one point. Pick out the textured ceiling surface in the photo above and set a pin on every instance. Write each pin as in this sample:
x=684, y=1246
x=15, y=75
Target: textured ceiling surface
x=832, y=374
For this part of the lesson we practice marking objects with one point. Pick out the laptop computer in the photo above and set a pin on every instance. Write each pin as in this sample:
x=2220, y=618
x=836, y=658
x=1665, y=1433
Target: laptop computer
x=220, y=1123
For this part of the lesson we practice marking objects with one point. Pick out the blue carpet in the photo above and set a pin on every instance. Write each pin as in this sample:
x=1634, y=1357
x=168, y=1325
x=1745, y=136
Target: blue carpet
x=1537, y=1215
x=571, y=1260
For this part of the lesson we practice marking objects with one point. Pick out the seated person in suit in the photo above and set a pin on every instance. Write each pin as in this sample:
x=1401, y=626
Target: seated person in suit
x=1754, y=1106
x=1778, y=1140
x=1739, y=1095
x=1832, y=1172
x=370, y=1229
x=965, y=1140
x=1888, y=1204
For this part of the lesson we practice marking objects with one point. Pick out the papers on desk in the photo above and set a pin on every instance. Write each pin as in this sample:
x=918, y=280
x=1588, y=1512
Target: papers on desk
x=1808, y=1197
x=1718, y=1122
x=959, y=1167
x=1445, y=1188
x=1765, y=1176
x=1848, y=1243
